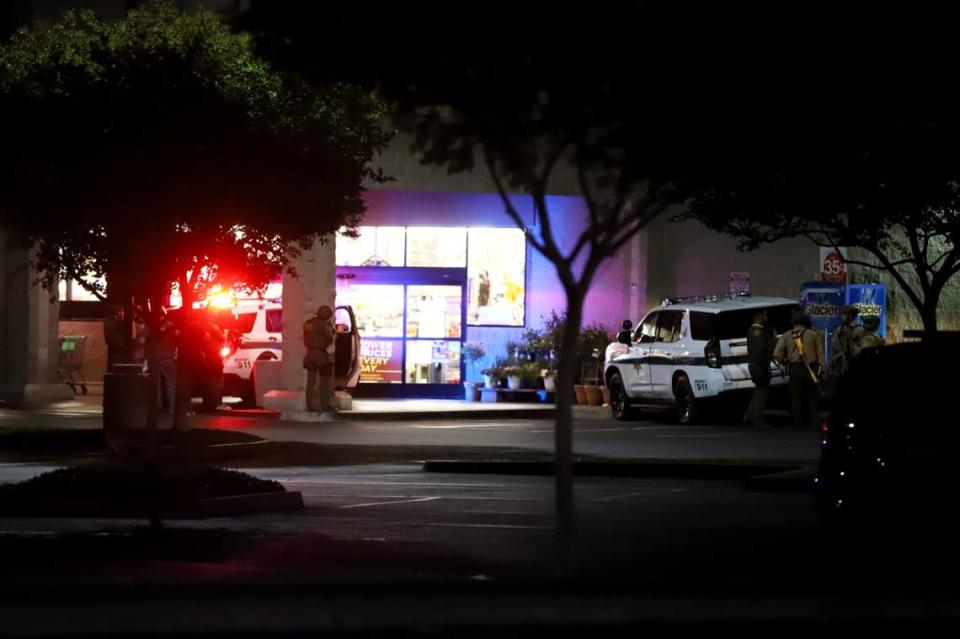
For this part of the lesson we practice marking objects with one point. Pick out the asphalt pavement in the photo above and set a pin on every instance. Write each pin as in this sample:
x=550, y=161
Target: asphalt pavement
x=390, y=548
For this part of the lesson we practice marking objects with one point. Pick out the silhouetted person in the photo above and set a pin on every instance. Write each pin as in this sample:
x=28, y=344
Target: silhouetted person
x=115, y=337
x=626, y=332
x=318, y=337
x=761, y=342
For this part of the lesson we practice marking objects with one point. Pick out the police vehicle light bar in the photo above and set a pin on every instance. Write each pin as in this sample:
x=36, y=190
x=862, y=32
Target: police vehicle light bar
x=695, y=299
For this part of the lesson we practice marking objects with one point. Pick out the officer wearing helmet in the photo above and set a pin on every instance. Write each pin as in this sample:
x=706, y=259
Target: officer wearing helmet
x=846, y=342
x=800, y=350
x=318, y=337
x=870, y=338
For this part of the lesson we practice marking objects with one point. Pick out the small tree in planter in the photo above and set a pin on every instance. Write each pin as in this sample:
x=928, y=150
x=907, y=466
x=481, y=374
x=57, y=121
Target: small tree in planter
x=472, y=353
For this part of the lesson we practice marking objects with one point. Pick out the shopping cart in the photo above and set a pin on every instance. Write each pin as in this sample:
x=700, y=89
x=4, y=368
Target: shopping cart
x=71, y=362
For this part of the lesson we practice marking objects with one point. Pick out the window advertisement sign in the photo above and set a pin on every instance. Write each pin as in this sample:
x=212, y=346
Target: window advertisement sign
x=822, y=302
x=833, y=264
x=381, y=361
x=870, y=299
x=496, y=277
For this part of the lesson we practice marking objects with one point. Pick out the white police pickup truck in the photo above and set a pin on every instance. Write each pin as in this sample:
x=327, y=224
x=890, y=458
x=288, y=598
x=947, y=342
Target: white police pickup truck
x=688, y=350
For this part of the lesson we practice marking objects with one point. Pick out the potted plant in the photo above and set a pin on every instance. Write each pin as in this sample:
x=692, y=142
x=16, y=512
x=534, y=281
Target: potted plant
x=494, y=375
x=549, y=374
x=513, y=375
x=472, y=352
x=529, y=375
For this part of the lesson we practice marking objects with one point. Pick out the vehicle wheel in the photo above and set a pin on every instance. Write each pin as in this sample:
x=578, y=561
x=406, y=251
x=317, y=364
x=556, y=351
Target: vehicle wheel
x=686, y=403
x=619, y=402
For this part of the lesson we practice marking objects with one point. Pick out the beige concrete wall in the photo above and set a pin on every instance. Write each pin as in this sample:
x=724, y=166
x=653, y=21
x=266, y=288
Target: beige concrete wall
x=686, y=258
x=95, y=351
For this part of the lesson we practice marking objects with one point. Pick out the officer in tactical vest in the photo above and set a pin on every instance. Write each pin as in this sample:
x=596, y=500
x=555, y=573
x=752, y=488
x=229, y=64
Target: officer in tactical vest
x=870, y=338
x=760, y=344
x=846, y=342
x=801, y=351
x=318, y=337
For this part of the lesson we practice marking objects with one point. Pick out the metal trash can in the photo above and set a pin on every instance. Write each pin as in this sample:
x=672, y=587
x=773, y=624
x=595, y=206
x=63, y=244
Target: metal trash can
x=126, y=397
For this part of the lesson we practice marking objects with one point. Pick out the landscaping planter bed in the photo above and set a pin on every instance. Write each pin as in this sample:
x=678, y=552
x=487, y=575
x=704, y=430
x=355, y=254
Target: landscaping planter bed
x=136, y=490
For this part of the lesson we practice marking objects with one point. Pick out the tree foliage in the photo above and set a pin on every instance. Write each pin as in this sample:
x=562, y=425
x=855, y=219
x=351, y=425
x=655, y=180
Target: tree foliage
x=159, y=149
x=884, y=180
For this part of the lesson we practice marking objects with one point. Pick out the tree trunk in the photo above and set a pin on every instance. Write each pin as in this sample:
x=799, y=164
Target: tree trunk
x=563, y=431
x=928, y=313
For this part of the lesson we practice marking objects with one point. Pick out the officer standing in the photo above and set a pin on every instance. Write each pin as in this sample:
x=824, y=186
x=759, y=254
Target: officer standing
x=117, y=341
x=870, y=338
x=761, y=342
x=318, y=337
x=801, y=351
x=846, y=342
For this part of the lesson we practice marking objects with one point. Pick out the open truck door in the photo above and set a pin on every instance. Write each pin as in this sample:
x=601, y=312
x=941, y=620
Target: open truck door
x=346, y=365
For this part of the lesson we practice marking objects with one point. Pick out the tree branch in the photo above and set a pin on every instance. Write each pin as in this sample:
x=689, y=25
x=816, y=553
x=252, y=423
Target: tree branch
x=508, y=205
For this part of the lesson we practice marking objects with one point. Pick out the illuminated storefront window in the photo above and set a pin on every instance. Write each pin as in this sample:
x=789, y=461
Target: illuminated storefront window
x=496, y=276
x=381, y=361
x=376, y=246
x=433, y=362
x=434, y=311
x=436, y=246
x=411, y=316
x=378, y=307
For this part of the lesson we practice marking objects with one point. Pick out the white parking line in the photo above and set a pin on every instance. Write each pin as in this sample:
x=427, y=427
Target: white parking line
x=387, y=503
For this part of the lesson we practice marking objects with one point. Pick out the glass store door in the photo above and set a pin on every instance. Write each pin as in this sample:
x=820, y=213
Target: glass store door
x=433, y=331
x=411, y=329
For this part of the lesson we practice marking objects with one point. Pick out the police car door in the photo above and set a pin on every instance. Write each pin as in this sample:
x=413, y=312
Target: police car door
x=662, y=355
x=635, y=367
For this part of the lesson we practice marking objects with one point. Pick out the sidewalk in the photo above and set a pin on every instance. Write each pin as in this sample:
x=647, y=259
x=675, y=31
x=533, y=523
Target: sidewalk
x=376, y=409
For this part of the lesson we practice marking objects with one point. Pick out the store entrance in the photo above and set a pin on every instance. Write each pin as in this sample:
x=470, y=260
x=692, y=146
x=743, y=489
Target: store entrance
x=411, y=323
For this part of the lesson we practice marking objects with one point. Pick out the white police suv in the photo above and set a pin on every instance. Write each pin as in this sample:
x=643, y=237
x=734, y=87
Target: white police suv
x=688, y=350
x=254, y=334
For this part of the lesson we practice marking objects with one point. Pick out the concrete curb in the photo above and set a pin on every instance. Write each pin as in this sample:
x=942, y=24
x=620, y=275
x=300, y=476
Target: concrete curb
x=399, y=416
x=649, y=468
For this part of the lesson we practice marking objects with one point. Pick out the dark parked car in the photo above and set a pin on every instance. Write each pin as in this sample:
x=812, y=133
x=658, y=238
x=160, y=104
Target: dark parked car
x=889, y=452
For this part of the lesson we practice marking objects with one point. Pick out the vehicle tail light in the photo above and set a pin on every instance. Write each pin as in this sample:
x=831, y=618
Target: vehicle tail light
x=228, y=349
x=824, y=427
x=712, y=353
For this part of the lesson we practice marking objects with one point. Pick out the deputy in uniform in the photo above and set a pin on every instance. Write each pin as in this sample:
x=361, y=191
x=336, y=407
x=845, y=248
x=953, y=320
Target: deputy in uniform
x=801, y=351
x=761, y=342
x=870, y=338
x=318, y=337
